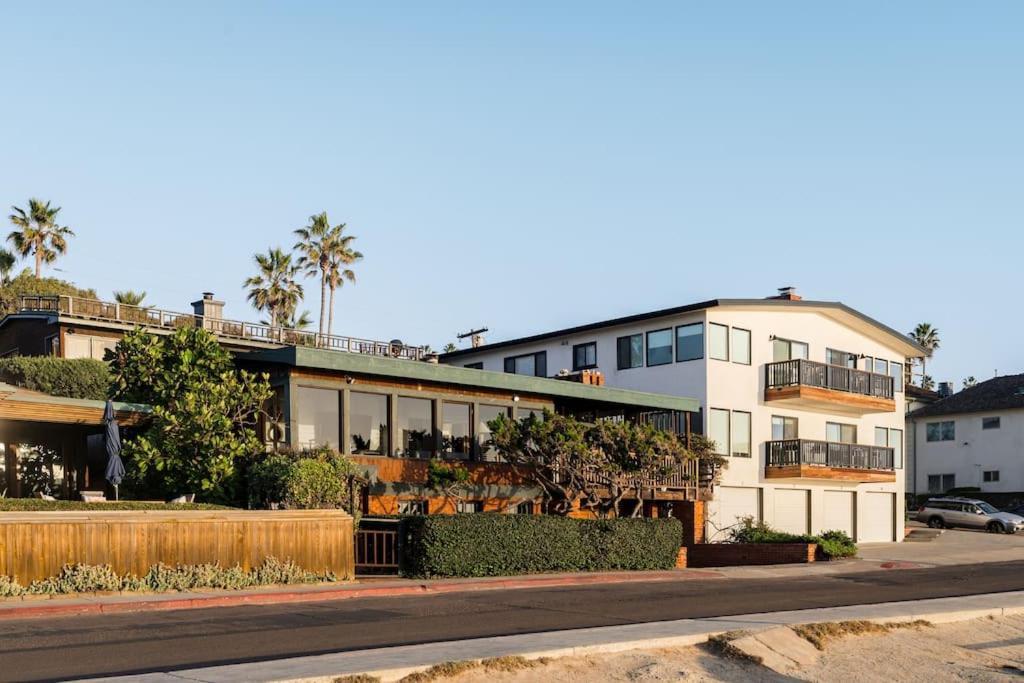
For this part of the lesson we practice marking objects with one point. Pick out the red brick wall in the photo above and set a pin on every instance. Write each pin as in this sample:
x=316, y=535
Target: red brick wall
x=691, y=514
x=735, y=554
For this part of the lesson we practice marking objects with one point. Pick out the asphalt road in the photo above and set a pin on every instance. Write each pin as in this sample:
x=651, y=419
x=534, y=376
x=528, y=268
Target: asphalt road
x=79, y=647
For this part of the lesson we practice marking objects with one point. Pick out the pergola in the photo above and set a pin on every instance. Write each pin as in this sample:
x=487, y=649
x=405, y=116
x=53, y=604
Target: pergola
x=54, y=441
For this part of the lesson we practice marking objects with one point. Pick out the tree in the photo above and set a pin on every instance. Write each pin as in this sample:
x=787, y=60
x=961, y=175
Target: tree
x=274, y=289
x=338, y=271
x=593, y=466
x=449, y=347
x=7, y=261
x=203, y=426
x=970, y=382
x=927, y=382
x=129, y=297
x=326, y=252
x=39, y=233
x=927, y=337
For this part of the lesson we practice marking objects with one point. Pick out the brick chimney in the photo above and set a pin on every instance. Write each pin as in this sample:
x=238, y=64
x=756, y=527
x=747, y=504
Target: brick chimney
x=787, y=294
x=208, y=307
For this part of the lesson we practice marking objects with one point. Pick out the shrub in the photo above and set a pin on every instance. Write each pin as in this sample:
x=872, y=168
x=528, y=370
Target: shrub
x=310, y=479
x=37, y=505
x=70, y=377
x=26, y=283
x=485, y=544
x=832, y=544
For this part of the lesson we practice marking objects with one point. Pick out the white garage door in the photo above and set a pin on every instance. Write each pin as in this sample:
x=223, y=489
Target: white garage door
x=792, y=510
x=731, y=504
x=877, y=514
x=839, y=512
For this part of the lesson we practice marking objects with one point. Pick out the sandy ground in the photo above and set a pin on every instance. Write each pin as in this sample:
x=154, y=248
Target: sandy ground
x=980, y=650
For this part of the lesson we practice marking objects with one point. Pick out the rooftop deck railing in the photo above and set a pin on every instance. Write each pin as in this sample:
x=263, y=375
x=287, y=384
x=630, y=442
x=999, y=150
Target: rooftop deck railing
x=155, y=318
x=800, y=372
x=789, y=452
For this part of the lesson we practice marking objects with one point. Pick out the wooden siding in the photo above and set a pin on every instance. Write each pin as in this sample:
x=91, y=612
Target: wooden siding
x=35, y=545
x=816, y=396
x=829, y=473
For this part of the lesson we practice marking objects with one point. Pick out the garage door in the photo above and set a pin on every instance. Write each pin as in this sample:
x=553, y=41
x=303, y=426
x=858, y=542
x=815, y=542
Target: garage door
x=792, y=510
x=731, y=504
x=877, y=514
x=840, y=512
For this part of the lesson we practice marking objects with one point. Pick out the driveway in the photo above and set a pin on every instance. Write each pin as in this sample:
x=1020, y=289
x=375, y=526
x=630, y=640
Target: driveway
x=954, y=546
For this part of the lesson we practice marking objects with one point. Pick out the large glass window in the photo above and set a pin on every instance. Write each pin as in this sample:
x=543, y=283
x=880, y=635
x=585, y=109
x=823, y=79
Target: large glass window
x=659, y=347
x=787, y=349
x=740, y=433
x=690, y=342
x=896, y=370
x=718, y=341
x=486, y=414
x=740, y=346
x=881, y=366
x=318, y=417
x=455, y=438
x=840, y=433
x=532, y=364
x=584, y=356
x=415, y=427
x=842, y=358
x=368, y=423
x=784, y=428
x=630, y=351
x=718, y=430
x=896, y=444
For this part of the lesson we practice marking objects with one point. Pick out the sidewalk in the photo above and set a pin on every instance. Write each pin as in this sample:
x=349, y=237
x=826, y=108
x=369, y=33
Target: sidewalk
x=390, y=664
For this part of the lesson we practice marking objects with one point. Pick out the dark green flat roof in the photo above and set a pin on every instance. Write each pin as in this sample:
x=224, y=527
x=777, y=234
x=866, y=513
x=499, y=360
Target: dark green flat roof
x=341, y=361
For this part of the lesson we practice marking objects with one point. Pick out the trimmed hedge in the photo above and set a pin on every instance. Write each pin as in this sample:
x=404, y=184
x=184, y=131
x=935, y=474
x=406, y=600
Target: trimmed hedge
x=494, y=544
x=832, y=544
x=39, y=505
x=69, y=377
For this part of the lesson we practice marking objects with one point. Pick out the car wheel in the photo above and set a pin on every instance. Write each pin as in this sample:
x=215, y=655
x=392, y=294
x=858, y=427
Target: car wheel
x=994, y=528
x=936, y=523
x=1011, y=529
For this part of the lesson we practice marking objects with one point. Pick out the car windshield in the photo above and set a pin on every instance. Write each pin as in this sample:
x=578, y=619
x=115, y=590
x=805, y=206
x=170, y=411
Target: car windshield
x=986, y=508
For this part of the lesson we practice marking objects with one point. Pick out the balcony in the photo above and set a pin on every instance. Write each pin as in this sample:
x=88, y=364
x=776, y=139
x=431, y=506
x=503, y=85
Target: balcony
x=807, y=459
x=835, y=388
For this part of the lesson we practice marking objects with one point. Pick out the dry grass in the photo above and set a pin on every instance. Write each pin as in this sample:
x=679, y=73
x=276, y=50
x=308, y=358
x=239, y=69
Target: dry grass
x=451, y=669
x=821, y=634
x=722, y=645
x=357, y=678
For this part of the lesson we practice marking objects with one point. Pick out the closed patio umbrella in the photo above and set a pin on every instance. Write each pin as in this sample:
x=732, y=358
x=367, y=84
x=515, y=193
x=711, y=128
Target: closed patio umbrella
x=112, y=439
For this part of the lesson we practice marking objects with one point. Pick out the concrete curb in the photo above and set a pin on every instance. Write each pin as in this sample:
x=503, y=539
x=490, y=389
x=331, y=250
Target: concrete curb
x=122, y=604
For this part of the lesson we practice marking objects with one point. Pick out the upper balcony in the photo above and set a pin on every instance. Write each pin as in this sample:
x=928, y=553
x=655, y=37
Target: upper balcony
x=807, y=459
x=818, y=386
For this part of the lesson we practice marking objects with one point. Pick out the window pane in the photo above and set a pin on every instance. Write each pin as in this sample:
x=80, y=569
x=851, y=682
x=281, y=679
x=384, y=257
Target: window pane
x=881, y=436
x=455, y=429
x=784, y=428
x=990, y=423
x=526, y=365
x=896, y=370
x=948, y=431
x=487, y=414
x=934, y=483
x=881, y=366
x=718, y=430
x=584, y=356
x=780, y=350
x=840, y=433
x=798, y=350
x=740, y=346
x=659, y=347
x=841, y=358
x=415, y=427
x=630, y=351
x=740, y=434
x=690, y=342
x=896, y=444
x=318, y=420
x=718, y=341
x=368, y=422
x=933, y=431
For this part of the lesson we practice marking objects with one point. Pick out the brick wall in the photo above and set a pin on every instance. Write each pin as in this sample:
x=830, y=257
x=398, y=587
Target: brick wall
x=735, y=554
x=691, y=514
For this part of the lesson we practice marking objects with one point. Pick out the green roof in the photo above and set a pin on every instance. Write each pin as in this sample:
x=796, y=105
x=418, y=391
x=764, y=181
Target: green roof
x=341, y=361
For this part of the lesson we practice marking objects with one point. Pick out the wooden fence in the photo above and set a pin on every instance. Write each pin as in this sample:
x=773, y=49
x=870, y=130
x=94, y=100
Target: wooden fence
x=35, y=545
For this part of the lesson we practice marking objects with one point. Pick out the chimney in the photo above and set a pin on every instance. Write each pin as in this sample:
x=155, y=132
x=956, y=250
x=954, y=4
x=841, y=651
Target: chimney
x=945, y=389
x=208, y=307
x=787, y=294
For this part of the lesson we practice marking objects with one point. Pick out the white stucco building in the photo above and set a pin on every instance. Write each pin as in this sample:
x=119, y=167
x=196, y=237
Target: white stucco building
x=974, y=438
x=805, y=397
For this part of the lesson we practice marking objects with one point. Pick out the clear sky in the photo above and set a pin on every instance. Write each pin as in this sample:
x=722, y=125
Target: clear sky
x=528, y=165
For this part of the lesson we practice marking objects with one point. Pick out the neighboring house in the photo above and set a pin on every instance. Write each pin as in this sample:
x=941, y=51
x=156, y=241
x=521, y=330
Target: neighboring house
x=391, y=416
x=805, y=397
x=916, y=398
x=973, y=438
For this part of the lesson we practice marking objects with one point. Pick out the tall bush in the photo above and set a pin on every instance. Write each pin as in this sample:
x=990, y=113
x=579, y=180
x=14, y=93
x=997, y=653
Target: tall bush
x=25, y=283
x=70, y=377
x=311, y=479
x=833, y=544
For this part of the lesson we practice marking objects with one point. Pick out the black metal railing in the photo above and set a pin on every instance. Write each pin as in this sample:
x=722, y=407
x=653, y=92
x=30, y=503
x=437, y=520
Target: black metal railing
x=852, y=456
x=800, y=372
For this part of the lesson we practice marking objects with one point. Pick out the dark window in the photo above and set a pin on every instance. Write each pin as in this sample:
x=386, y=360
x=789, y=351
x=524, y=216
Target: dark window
x=319, y=420
x=689, y=342
x=455, y=437
x=479, y=365
x=631, y=351
x=532, y=364
x=368, y=423
x=991, y=475
x=940, y=431
x=584, y=356
x=525, y=508
x=659, y=347
x=464, y=506
x=940, y=483
x=415, y=427
x=990, y=423
x=413, y=507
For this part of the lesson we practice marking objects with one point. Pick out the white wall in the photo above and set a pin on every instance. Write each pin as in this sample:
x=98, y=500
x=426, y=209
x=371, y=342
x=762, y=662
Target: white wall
x=973, y=451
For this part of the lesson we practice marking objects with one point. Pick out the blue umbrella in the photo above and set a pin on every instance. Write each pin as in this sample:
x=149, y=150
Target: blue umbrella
x=112, y=439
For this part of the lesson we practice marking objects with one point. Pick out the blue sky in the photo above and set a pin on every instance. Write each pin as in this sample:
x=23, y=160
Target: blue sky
x=533, y=165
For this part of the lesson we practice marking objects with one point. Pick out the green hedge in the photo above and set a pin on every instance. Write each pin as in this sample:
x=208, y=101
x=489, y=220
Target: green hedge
x=70, y=377
x=38, y=505
x=832, y=544
x=483, y=544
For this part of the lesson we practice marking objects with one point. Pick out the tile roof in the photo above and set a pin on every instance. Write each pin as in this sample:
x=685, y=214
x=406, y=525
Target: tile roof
x=998, y=393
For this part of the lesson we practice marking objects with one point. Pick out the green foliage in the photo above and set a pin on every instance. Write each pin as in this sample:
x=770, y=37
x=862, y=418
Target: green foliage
x=317, y=478
x=446, y=477
x=832, y=544
x=485, y=544
x=81, y=578
x=25, y=284
x=204, y=412
x=38, y=505
x=70, y=377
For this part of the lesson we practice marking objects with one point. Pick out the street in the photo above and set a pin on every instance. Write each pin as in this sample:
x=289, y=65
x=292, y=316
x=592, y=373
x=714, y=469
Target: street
x=79, y=647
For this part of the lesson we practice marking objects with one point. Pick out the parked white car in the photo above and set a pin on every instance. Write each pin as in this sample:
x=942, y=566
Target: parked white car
x=948, y=513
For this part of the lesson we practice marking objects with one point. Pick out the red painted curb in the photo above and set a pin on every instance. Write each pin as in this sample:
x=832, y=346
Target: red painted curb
x=123, y=606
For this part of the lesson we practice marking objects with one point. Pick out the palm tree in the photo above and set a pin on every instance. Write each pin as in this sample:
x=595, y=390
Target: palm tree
x=324, y=252
x=7, y=261
x=449, y=347
x=129, y=297
x=39, y=233
x=343, y=256
x=927, y=337
x=274, y=289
